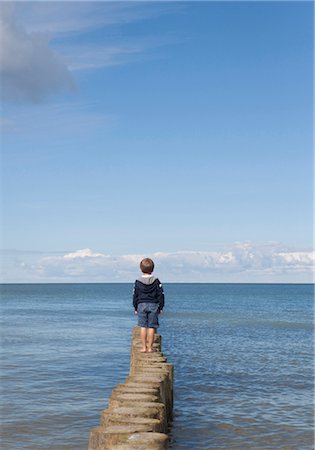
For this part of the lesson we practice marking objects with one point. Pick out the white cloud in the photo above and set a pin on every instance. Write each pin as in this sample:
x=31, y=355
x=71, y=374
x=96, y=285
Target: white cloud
x=242, y=262
x=30, y=69
x=297, y=258
x=38, y=52
x=84, y=253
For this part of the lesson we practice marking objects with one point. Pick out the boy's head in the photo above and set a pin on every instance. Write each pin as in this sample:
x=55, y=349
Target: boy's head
x=147, y=265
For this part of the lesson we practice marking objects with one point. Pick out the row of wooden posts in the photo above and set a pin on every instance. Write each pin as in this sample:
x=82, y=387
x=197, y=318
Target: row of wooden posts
x=140, y=410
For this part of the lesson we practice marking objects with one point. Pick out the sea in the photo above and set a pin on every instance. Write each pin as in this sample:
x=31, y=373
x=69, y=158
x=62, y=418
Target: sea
x=243, y=356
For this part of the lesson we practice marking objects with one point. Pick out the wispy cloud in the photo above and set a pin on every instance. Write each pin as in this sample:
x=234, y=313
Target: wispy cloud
x=7, y=125
x=106, y=55
x=61, y=119
x=40, y=46
x=242, y=262
x=79, y=17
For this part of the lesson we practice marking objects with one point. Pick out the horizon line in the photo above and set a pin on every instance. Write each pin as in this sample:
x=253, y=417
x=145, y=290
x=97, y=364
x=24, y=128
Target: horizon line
x=166, y=282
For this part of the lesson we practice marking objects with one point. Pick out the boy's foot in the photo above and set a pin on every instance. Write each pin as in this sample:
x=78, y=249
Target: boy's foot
x=151, y=350
x=143, y=350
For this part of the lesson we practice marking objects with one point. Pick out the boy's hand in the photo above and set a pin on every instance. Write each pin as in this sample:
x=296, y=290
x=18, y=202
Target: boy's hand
x=136, y=312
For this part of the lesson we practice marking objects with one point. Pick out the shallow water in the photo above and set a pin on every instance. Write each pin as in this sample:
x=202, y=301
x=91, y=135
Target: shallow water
x=243, y=357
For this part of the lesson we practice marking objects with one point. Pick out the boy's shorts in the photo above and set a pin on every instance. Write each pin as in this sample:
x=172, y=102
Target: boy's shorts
x=148, y=315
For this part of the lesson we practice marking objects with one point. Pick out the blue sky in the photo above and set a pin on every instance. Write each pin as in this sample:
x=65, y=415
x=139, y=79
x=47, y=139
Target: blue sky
x=178, y=130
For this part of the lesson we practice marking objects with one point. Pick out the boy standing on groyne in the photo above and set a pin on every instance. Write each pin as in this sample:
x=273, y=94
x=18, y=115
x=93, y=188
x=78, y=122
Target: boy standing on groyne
x=148, y=302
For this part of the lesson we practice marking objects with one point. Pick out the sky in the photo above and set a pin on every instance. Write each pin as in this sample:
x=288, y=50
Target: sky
x=182, y=131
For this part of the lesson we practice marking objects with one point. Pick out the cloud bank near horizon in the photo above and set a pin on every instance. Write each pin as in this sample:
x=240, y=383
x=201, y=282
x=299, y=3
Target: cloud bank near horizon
x=241, y=262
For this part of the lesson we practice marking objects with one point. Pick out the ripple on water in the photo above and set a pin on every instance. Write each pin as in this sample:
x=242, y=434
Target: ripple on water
x=242, y=357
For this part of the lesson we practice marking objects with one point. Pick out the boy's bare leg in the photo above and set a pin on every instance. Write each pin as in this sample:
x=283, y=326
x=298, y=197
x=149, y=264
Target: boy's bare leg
x=143, y=335
x=151, y=332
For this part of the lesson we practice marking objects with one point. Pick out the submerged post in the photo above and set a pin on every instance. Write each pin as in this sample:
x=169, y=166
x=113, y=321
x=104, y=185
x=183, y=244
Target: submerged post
x=140, y=410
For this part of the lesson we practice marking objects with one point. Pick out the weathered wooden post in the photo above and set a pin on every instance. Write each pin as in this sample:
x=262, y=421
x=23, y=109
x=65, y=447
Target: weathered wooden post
x=140, y=410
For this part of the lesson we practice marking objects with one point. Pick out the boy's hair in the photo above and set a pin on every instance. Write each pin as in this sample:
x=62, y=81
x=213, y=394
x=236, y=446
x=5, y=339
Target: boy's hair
x=147, y=265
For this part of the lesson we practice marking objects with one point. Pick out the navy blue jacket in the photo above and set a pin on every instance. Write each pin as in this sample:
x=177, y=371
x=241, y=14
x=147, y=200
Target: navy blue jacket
x=148, y=290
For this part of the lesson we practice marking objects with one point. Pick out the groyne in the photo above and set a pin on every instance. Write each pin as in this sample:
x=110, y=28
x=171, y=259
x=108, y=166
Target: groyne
x=140, y=410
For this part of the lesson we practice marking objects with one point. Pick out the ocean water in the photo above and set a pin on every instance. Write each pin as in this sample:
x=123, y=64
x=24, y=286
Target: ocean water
x=243, y=357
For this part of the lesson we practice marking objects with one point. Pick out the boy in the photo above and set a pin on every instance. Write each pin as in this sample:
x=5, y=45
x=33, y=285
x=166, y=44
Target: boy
x=148, y=301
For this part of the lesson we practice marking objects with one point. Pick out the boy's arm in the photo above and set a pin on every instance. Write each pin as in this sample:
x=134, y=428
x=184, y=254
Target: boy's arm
x=135, y=297
x=160, y=296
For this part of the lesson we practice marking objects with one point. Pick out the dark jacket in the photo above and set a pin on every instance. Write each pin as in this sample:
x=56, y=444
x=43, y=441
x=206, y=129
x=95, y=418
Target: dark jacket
x=148, y=290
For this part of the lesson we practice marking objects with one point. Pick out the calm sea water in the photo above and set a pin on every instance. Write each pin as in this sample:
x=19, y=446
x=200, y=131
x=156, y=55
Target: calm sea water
x=243, y=357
